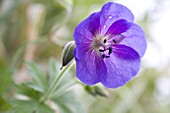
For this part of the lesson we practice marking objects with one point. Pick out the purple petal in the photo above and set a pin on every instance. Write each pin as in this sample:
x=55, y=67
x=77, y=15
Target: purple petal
x=135, y=38
x=118, y=27
x=84, y=33
x=90, y=68
x=101, y=68
x=112, y=12
x=123, y=65
x=94, y=23
x=82, y=49
x=85, y=30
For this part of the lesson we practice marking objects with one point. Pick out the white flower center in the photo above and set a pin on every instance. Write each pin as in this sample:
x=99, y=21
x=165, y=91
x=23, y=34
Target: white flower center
x=102, y=45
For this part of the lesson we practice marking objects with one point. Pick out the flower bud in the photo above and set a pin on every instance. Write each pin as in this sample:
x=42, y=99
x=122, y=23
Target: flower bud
x=67, y=54
x=90, y=90
x=97, y=91
x=101, y=91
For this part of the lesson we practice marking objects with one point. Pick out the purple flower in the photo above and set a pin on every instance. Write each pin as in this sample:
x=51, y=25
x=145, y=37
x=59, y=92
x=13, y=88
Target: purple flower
x=109, y=46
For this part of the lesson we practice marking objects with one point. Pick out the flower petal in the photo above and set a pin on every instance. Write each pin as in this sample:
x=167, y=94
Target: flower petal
x=112, y=12
x=94, y=23
x=135, y=38
x=123, y=65
x=84, y=33
x=118, y=27
x=90, y=68
x=85, y=30
x=81, y=49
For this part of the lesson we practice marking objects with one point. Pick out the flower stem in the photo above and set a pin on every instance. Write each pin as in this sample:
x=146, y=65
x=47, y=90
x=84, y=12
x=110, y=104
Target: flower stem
x=54, y=84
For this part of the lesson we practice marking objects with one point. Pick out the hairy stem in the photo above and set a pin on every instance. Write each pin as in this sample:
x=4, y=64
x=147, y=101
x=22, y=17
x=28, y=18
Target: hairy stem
x=54, y=84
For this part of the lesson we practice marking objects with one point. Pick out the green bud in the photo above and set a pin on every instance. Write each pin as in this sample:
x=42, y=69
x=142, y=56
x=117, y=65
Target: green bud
x=97, y=91
x=101, y=91
x=67, y=54
x=90, y=90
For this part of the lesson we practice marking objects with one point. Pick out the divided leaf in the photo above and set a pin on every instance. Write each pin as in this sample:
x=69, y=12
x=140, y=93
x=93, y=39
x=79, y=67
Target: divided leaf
x=29, y=106
x=30, y=90
x=38, y=75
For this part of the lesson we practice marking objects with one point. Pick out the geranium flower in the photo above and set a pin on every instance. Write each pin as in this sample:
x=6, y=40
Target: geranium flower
x=109, y=47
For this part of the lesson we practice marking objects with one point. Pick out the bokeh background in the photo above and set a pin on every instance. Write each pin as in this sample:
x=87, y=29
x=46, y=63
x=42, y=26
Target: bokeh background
x=36, y=31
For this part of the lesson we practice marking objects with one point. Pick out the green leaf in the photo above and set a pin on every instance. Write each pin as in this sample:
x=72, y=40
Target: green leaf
x=29, y=90
x=53, y=70
x=97, y=91
x=38, y=74
x=70, y=103
x=65, y=98
x=29, y=106
x=54, y=74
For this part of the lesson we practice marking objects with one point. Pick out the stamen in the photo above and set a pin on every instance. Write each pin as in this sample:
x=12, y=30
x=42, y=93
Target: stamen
x=103, y=56
x=107, y=56
x=114, y=40
x=101, y=50
x=110, y=50
x=104, y=41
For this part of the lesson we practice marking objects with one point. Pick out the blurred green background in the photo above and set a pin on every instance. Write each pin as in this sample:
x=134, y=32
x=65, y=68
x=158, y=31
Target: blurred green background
x=37, y=30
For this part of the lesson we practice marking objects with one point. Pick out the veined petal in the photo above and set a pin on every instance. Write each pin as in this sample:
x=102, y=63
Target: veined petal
x=135, y=38
x=118, y=27
x=81, y=49
x=112, y=12
x=94, y=23
x=84, y=33
x=123, y=65
x=90, y=68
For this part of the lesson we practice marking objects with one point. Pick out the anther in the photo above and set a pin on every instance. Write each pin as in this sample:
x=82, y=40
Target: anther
x=107, y=56
x=101, y=50
x=114, y=40
x=110, y=50
x=104, y=41
x=103, y=56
